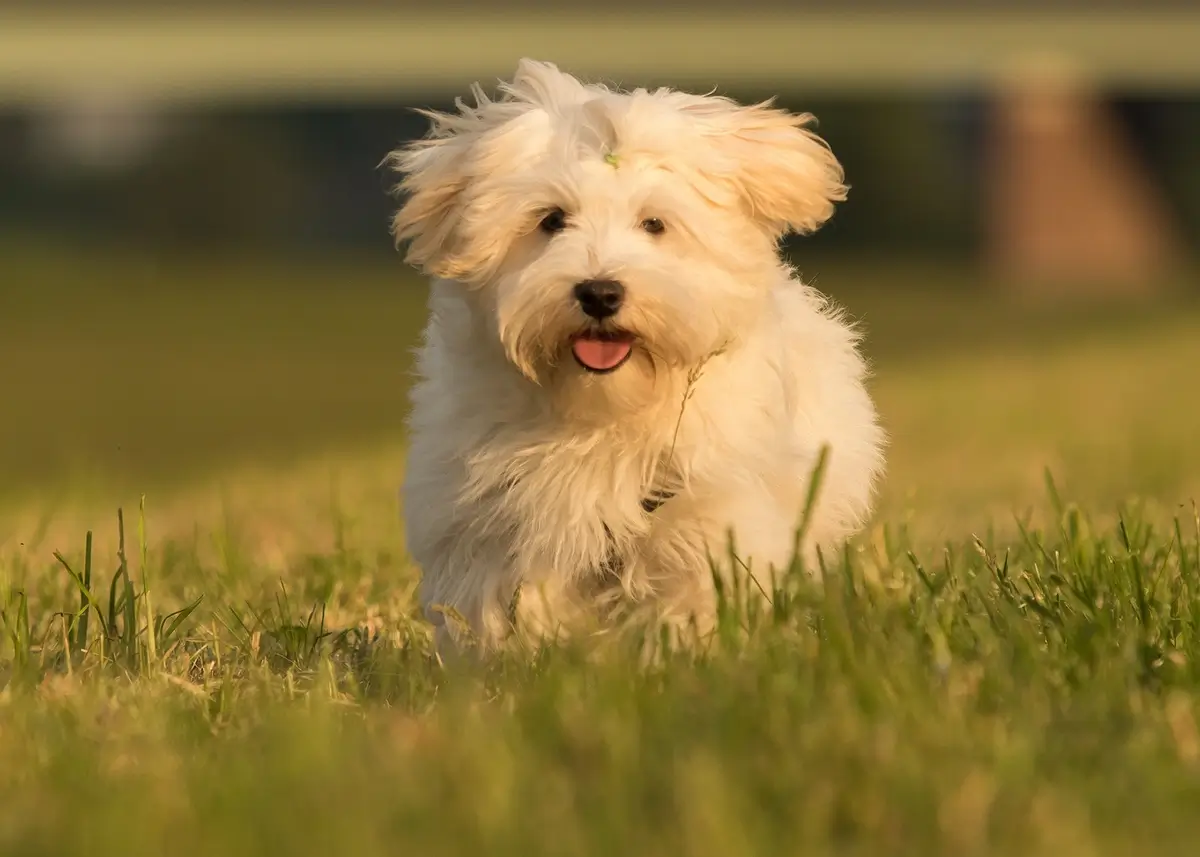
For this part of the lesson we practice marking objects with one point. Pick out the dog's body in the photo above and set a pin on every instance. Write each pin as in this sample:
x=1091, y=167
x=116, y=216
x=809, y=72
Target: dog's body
x=619, y=373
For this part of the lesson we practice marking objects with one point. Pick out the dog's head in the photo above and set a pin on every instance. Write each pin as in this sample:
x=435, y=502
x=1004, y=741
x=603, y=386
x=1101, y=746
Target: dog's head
x=611, y=233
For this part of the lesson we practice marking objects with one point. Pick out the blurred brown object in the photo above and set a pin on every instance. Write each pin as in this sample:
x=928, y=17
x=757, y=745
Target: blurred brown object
x=1070, y=209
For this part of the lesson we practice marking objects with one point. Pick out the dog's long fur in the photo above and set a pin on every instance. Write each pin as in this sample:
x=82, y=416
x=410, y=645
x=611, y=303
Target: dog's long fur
x=525, y=470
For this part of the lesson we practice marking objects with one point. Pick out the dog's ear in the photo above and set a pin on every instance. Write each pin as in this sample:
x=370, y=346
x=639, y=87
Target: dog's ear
x=785, y=174
x=435, y=171
x=459, y=147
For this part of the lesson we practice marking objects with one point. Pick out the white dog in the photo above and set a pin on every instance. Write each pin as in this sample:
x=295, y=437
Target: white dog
x=619, y=372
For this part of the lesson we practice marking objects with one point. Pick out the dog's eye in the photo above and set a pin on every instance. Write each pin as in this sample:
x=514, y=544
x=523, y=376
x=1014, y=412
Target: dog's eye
x=654, y=226
x=554, y=221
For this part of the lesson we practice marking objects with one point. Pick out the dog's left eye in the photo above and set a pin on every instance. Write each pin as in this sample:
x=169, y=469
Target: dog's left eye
x=554, y=221
x=653, y=225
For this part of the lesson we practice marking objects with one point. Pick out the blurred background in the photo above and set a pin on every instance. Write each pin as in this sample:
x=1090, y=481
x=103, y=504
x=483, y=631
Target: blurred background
x=196, y=274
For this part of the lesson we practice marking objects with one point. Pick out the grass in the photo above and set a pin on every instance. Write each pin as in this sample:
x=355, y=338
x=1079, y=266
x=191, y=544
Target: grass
x=236, y=667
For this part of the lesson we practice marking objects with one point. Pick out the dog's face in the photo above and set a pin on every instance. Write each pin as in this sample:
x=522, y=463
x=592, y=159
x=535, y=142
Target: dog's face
x=610, y=237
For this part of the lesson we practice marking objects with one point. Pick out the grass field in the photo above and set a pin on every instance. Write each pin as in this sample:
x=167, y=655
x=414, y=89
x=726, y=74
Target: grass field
x=1001, y=666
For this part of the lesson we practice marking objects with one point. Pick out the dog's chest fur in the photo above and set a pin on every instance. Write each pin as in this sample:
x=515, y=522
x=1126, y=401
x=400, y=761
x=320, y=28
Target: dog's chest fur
x=573, y=503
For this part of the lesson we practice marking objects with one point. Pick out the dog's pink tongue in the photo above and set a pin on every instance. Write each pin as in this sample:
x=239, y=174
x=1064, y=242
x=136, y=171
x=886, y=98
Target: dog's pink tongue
x=600, y=354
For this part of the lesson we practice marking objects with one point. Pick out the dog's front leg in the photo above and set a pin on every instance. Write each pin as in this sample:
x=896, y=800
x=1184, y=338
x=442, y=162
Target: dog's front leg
x=737, y=536
x=465, y=594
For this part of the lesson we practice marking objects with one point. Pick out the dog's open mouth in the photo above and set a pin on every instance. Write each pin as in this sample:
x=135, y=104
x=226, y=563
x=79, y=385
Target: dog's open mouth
x=602, y=352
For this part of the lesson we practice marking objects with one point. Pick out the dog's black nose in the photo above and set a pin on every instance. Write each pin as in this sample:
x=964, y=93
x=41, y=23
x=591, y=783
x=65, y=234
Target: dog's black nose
x=599, y=298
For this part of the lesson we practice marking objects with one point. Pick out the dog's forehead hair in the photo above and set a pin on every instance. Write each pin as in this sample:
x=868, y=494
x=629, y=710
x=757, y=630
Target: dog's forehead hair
x=565, y=157
x=624, y=127
x=588, y=123
x=612, y=152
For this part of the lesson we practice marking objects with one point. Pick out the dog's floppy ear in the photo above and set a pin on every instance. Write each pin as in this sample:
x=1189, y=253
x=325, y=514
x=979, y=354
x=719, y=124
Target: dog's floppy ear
x=461, y=146
x=435, y=172
x=785, y=174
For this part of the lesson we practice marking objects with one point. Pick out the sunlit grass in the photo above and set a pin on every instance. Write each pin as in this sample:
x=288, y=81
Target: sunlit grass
x=1036, y=696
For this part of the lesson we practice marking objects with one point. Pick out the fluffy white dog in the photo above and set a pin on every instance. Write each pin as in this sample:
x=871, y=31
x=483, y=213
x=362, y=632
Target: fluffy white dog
x=619, y=372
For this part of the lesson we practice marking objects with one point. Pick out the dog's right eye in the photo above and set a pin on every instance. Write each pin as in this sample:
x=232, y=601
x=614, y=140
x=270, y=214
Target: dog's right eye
x=554, y=221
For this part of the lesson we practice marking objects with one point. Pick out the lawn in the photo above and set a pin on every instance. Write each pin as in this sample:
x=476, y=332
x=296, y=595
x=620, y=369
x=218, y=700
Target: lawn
x=1005, y=663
